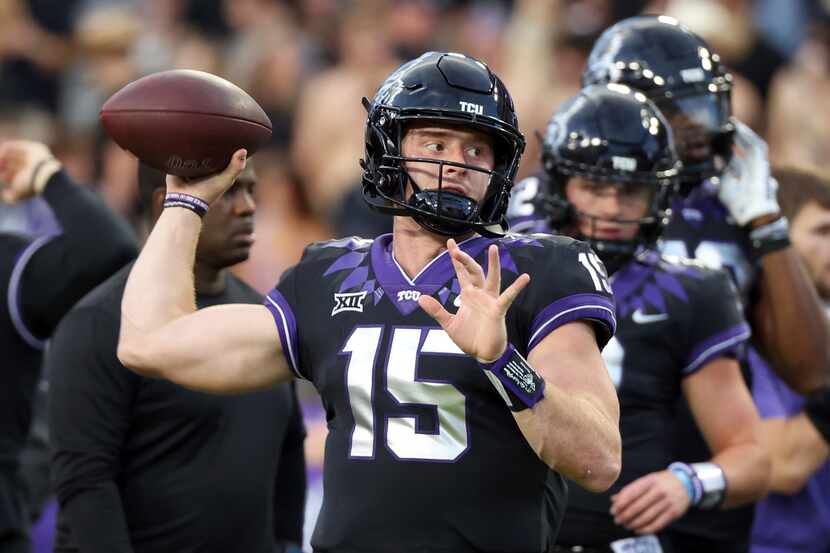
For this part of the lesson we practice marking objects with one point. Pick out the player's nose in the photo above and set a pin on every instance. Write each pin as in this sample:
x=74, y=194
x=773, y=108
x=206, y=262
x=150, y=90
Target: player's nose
x=244, y=203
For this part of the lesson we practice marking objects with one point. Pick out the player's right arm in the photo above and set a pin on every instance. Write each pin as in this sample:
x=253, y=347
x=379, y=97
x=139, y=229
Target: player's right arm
x=796, y=449
x=220, y=349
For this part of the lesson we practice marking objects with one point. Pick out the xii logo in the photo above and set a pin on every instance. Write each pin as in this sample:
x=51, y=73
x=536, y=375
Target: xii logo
x=350, y=301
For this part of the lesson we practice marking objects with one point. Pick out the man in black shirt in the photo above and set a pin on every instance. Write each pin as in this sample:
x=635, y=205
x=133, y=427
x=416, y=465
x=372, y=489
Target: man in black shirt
x=145, y=465
x=39, y=281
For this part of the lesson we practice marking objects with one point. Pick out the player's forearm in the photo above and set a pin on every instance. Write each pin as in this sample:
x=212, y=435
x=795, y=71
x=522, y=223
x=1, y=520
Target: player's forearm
x=789, y=301
x=796, y=451
x=747, y=469
x=575, y=437
x=160, y=287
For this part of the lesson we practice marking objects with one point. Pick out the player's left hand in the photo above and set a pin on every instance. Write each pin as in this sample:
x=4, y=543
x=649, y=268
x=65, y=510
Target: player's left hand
x=478, y=326
x=746, y=187
x=25, y=169
x=650, y=503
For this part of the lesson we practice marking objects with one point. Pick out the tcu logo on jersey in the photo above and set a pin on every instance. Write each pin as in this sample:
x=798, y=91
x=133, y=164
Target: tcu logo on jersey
x=409, y=295
x=470, y=107
x=351, y=301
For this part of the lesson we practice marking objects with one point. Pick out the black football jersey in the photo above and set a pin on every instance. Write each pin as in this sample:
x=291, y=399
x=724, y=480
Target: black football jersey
x=422, y=454
x=674, y=316
x=701, y=229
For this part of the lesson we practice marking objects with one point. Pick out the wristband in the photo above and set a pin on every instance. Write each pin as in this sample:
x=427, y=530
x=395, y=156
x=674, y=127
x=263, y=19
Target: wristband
x=817, y=409
x=695, y=488
x=685, y=479
x=187, y=201
x=769, y=238
x=518, y=384
x=708, y=483
x=36, y=183
x=713, y=480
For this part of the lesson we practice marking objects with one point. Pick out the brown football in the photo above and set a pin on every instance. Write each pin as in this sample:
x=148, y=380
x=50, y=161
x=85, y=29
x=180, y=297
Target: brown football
x=183, y=122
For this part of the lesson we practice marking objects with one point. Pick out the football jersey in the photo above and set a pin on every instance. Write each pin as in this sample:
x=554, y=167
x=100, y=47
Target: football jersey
x=700, y=228
x=664, y=335
x=422, y=454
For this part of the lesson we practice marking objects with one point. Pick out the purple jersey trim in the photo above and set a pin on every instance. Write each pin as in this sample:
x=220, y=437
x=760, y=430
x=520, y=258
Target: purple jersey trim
x=14, y=292
x=572, y=308
x=287, y=328
x=716, y=346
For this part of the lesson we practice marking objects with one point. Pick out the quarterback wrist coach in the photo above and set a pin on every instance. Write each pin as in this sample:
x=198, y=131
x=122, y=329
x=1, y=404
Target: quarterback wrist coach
x=518, y=384
x=705, y=483
x=817, y=409
x=772, y=237
x=187, y=201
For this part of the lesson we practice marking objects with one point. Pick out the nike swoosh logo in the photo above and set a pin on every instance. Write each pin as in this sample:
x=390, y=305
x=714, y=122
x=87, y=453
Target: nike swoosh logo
x=641, y=318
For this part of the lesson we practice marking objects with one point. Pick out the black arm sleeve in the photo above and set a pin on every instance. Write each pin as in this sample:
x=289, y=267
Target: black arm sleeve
x=93, y=245
x=290, y=483
x=89, y=408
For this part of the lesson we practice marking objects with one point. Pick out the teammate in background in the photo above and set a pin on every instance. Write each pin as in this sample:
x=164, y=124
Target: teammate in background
x=612, y=168
x=437, y=429
x=143, y=465
x=795, y=517
x=727, y=216
x=39, y=281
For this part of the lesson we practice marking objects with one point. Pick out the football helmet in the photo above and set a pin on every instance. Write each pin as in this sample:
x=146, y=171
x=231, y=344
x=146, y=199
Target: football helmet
x=450, y=90
x=678, y=71
x=610, y=134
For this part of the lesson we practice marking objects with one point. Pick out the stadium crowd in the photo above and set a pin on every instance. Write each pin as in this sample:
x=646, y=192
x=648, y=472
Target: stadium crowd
x=308, y=62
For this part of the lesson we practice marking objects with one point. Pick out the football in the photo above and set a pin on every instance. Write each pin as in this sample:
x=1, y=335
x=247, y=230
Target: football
x=185, y=123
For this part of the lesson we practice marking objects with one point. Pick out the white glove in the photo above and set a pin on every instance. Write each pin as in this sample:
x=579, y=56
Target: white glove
x=746, y=187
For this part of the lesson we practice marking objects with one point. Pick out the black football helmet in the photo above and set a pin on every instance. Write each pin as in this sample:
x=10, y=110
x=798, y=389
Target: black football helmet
x=611, y=134
x=678, y=71
x=450, y=90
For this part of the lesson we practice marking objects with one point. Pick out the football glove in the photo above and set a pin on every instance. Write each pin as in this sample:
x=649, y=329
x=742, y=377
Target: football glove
x=746, y=187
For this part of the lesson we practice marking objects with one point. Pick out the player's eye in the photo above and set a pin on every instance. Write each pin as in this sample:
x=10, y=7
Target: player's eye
x=475, y=151
x=435, y=147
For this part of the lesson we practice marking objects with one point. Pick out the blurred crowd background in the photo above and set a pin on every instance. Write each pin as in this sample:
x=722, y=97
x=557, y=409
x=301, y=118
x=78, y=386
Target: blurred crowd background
x=308, y=63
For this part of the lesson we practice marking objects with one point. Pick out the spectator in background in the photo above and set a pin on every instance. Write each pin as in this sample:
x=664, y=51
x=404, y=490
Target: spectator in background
x=795, y=517
x=328, y=133
x=42, y=279
x=143, y=465
x=799, y=108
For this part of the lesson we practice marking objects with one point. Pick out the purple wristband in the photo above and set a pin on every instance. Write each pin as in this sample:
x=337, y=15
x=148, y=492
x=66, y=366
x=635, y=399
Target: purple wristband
x=187, y=201
x=519, y=385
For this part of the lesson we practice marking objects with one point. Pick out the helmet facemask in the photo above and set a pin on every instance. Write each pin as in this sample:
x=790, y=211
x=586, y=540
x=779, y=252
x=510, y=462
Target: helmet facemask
x=389, y=187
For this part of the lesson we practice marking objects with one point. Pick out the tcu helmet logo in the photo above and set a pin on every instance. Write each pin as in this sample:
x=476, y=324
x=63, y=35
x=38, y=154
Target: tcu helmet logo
x=470, y=107
x=351, y=301
x=409, y=295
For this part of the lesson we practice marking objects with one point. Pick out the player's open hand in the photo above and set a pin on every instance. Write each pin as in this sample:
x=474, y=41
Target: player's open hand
x=478, y=326
x=211, y=187
x=650, y=503
x=25, y=168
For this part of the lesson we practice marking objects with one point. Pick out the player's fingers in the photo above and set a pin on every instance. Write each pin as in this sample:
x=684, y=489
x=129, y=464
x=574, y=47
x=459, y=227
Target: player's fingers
x=636, y=508
x=630, y=493
x=474, y=270
x=460, y=271
x=510, y=293
x=493, y=282
x=237, y=163
x=647, y=516
x=435, y=310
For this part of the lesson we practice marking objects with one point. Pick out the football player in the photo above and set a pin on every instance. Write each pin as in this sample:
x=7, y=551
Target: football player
x=449, y=399
x=612, y=168
x=727, y=215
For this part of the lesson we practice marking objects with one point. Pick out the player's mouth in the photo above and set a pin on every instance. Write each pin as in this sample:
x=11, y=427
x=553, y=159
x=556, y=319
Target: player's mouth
x=244, y=235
